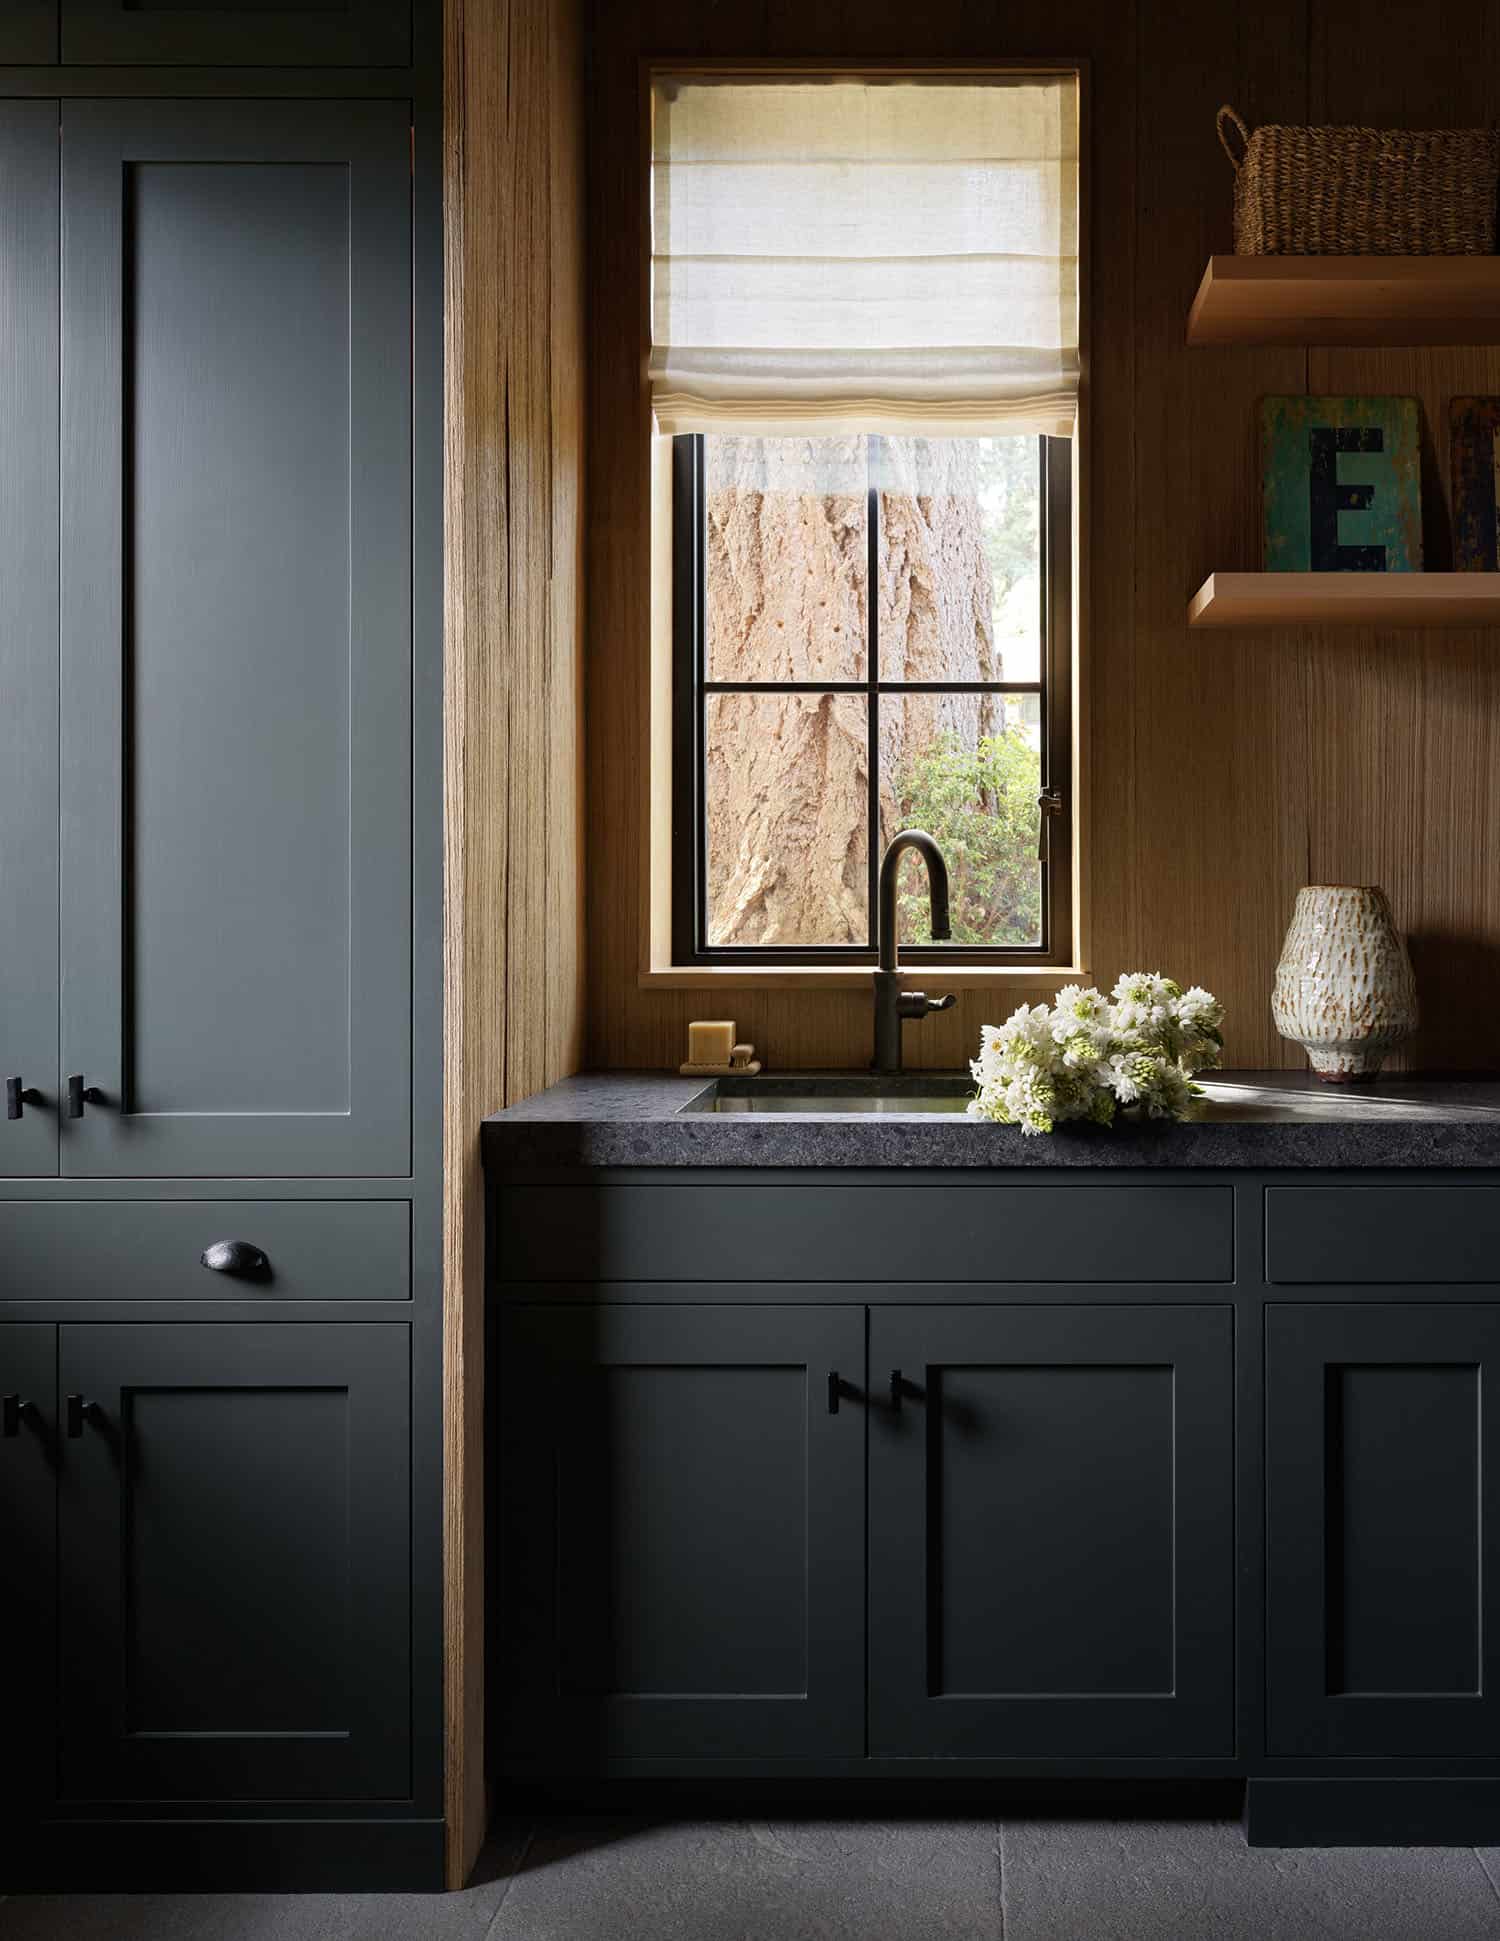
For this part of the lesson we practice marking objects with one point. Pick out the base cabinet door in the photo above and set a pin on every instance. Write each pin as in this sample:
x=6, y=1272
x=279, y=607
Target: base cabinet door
x=1383, y=1548
x=235, y=1531
x=682, y=1534
x=1051, y=1532
x=28, y=1455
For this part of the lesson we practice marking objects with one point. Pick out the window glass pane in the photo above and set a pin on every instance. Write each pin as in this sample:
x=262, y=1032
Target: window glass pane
x=960, y=559
x=787, y=800
x=967, y=768
x=786, y=559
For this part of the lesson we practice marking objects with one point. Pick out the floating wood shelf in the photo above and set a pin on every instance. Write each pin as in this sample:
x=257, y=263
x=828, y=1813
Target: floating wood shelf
x=1347, y=600
x=1347, y=300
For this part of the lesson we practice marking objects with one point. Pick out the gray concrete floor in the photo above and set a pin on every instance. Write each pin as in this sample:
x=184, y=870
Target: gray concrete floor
x=835, y=1880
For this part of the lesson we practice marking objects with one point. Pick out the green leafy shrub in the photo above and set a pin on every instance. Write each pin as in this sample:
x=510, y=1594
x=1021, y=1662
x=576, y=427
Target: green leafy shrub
x=981, y=805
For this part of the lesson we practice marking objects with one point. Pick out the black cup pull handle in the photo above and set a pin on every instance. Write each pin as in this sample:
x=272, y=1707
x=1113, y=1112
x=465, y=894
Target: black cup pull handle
x=79, y=1409
x=236, y=1257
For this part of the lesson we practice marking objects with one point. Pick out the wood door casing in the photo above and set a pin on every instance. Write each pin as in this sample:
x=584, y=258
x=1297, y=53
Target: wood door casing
x=1381, y=1550
x=1051, y=1532
x=28, y=636
x=235, y=1531
x=236, y=637
x=682, y=1534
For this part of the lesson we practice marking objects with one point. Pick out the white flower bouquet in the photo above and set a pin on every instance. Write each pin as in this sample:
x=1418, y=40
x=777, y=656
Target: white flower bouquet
x=1088, y=1055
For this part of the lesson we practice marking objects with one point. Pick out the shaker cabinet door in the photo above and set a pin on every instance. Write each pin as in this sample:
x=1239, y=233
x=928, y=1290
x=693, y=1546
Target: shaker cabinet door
x=682, y=1534
x=254, y=33
x=1051, y=1532
x=235, y=1531
x=28, y=636
x=1383, y=1546
x=236, y=638
x=28, y=1457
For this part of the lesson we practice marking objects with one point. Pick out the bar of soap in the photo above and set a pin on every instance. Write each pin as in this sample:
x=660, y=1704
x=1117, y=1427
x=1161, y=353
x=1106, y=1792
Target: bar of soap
x=710, y=1044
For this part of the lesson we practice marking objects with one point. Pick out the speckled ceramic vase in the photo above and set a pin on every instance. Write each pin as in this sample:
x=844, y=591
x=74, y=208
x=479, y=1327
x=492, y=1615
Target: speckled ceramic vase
x=1344, y=986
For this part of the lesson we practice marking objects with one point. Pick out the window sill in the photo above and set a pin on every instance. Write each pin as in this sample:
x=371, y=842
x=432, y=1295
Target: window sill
x=1021, y=979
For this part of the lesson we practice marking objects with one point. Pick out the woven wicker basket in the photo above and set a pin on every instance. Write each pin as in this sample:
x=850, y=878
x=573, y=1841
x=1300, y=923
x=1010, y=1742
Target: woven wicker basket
x=1362, y=191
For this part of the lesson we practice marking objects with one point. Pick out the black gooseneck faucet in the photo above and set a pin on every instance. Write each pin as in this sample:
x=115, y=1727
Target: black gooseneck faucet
x=892, y=1004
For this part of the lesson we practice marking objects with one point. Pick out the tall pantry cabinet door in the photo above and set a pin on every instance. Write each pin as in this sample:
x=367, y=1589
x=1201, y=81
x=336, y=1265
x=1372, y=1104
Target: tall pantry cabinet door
x=236, y=638
x=28, y=636
x=28, y=1525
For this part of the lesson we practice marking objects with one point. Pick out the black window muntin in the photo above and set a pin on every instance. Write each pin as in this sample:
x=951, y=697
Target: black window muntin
x=691, y=687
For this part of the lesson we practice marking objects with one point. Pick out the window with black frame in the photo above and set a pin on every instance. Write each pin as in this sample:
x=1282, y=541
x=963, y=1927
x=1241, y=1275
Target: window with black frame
x=864, y=320
x=872, y=633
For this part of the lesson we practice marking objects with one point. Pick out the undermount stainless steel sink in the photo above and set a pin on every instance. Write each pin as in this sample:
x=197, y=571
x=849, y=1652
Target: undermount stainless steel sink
x=918, y=1093
x=921, y=1094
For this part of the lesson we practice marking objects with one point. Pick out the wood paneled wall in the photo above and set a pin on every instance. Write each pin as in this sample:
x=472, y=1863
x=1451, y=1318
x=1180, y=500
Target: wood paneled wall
x=1223, y=773
x=513, y=907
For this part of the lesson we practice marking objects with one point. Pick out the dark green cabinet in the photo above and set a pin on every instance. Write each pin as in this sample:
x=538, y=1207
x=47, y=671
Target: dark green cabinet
x=220, y=988
x=1383, y=1550
x=236, y=637
x=28, y=1522
x=28, y=634
x=682, y=1551
x=235, y=1539
x=1049, y=1515
x=258, y=33
x=1051, y=1521
x=206, y=754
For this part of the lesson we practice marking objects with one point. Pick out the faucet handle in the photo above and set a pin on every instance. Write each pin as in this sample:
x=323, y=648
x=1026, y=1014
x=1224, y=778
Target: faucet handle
x=917, y=1004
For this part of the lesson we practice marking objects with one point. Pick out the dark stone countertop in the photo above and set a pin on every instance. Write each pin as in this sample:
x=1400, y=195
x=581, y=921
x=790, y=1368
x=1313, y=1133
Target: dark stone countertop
x=1255, y=1119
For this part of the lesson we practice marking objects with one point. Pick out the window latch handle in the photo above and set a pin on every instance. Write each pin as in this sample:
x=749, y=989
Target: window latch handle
x=1049, y=803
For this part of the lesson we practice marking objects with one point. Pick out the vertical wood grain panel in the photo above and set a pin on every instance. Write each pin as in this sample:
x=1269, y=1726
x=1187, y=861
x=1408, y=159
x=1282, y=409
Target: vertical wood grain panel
x=1213, y=848
x=1218, y=778
x=1404, y=765
x=513, y=968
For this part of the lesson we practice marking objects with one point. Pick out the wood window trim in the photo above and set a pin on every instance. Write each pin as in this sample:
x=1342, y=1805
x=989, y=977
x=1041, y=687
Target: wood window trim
x=656, y=969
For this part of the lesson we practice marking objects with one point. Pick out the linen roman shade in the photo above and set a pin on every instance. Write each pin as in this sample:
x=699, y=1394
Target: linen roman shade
x=901, y=253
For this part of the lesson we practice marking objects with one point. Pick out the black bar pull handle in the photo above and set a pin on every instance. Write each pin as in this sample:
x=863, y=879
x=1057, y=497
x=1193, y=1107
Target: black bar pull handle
x=12, y=1408
x=898, y=1382
x=80, y=1095
x=18, y=1096
x=79, y=1410
x=833, y=1391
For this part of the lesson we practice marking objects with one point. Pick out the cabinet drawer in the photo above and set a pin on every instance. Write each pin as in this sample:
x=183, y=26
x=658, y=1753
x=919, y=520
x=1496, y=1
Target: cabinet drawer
x=824, y=1232
x=1347, y=1235
x=128, y=1250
